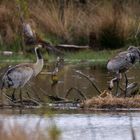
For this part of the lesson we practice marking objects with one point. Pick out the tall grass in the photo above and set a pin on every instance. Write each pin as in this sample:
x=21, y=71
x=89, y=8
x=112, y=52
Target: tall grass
x=114, y=23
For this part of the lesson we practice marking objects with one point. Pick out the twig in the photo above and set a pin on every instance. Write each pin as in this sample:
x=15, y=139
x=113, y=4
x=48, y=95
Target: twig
x=33, y=100
x=78, y=91
x=93, y=84
x=34, y=92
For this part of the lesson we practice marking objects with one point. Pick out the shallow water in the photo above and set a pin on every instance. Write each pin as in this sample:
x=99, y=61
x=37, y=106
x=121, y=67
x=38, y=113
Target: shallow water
x=81, y=125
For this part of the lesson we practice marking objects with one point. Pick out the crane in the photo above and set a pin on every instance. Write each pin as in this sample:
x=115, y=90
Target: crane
x=121, y=63
x=17, y=76
x=32, y=38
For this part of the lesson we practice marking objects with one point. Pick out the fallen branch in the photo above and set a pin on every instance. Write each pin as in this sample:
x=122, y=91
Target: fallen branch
x=72, y=46
x=93, y=84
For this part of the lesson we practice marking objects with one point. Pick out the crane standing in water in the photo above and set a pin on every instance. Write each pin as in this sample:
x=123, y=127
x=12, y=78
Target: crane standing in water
x=121, y=63
x=17, y=76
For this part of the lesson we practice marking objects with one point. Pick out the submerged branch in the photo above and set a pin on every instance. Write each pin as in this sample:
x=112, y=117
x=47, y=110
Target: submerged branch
x=51, y=97
x=78, y=91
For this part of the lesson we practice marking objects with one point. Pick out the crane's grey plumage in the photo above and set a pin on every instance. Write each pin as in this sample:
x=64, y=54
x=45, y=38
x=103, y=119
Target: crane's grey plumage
x=19, y=75
x=121, y=63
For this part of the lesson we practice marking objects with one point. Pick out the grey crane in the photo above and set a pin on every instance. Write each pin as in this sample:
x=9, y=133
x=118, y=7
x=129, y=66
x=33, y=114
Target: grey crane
x=17, y=76
x=121, y=63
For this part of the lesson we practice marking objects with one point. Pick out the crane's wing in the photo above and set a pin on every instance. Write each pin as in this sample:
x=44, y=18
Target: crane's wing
x=17, y=76
x=120, y=63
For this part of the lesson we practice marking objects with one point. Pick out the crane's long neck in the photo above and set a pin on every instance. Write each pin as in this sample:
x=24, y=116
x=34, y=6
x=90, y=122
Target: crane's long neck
x=39, y=63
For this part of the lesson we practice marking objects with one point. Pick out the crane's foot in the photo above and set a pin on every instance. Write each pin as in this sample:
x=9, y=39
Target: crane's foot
x=126, y=84
x=13, y=98
x=109, y=88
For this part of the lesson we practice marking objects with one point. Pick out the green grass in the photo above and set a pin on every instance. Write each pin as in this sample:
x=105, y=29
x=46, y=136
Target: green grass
x=89, y=55
x=14, y=58
x=100, y=57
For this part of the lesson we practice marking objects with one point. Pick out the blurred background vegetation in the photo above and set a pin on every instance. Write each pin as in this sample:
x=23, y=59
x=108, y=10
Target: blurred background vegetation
x=101, y=24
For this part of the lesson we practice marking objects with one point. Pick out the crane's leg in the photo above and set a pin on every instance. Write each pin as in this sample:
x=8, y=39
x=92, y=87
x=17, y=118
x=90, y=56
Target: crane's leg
x=111, y=85
x=2, y=96
x=126, y=84
x=117, y=87
x=13, y=95
x=118, y=81
x=20, y=95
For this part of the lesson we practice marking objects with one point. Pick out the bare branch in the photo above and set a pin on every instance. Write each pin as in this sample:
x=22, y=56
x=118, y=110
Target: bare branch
x=93, y=84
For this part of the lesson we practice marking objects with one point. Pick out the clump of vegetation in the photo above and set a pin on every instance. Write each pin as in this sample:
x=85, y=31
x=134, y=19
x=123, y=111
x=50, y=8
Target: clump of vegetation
x=112, y=102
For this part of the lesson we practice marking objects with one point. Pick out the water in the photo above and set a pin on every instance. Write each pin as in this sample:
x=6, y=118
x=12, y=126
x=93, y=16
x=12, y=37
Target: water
x=69, y=78
x=86, y=125
x=76, y=124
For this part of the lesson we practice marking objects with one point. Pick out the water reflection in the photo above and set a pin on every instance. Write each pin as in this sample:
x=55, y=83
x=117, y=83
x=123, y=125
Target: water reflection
x=68, y=78
x=97, y=125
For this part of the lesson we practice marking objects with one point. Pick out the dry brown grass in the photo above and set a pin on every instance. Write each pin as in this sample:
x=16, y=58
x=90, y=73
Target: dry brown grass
x=74, y=22
x=105, y=19
x=111, y=102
